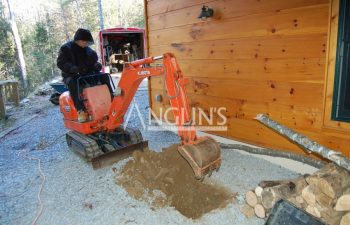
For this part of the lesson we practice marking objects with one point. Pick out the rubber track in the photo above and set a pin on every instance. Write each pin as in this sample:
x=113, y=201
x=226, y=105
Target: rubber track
x=83, y=145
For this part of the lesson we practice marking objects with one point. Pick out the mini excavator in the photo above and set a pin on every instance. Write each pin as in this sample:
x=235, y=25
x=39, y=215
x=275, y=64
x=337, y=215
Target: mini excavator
x=103, y=137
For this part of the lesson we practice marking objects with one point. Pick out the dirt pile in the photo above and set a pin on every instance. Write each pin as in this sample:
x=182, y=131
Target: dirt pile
x=166, y=179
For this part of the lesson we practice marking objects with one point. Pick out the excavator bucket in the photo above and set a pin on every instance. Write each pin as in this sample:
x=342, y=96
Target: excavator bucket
x=204, y=156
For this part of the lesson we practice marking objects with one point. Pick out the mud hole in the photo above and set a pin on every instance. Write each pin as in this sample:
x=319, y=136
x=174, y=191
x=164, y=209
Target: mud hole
x=166, y=179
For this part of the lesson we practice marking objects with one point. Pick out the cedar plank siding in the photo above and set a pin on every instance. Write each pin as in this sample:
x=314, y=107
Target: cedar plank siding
x=254, y=56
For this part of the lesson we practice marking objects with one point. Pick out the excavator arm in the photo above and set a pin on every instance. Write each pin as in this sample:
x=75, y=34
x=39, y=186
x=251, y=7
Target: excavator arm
x=202, y=153
x=132, y=76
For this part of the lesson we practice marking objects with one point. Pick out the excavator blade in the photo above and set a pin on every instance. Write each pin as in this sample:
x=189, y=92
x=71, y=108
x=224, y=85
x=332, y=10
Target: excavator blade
x=204, y=156
x=112, y=157
x=104, y=151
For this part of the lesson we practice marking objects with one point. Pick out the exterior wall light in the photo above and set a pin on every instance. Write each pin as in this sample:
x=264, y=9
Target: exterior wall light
x=206, y=12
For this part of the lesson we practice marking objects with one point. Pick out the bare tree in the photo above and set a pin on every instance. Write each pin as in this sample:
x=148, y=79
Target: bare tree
x=100, y=13
x=18, y=42
x=82, y=22
x=64, y=17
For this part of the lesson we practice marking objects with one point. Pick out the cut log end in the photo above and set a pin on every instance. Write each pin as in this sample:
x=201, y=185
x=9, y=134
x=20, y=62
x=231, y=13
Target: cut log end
x=299, y=199
x=345, y=220
x=260, y=211
x=267, y=199
x=324, y=194
x=247, y=210
x=251, y=198
x=343, y=202
x=258, y=190
x=309, y=195
x=331, y=180
x=313, y=211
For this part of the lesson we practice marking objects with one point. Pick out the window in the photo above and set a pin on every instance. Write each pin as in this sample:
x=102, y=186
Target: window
x=341, y=100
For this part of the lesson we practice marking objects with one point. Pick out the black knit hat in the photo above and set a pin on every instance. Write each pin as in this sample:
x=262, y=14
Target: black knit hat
x=84, y=35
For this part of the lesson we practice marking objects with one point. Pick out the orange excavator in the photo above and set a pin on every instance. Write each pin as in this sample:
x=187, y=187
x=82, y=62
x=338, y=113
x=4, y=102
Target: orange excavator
x=103, y=136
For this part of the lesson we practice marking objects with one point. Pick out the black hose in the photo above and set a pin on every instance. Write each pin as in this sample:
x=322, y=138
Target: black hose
x=275, y=153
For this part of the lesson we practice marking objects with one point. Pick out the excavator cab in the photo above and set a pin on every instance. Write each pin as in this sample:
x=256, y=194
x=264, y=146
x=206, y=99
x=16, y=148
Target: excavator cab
x=103, y=137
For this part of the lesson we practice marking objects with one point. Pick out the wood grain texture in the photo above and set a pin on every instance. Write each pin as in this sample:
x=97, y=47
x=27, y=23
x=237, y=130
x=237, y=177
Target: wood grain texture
x=178, y=13
x=163, y=7
x=263, y=91
x=345, y=219
x=247, y=210
x=296, y=117
x=299, y=21
x=272, y=47
x=254, y=57
x=241, y=125
x=343, y=202
x=290, y=70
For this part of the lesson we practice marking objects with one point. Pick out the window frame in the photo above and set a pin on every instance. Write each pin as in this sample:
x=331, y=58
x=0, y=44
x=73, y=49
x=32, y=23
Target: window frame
x=338, y=112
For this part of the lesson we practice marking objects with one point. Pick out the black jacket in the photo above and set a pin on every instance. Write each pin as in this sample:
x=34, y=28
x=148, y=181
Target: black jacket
x=72, y=55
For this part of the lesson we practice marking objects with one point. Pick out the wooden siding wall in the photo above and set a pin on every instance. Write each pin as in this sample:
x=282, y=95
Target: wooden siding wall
x=254, y=56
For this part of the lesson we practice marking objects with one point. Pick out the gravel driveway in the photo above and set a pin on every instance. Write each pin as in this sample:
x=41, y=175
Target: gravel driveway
x=75, y=194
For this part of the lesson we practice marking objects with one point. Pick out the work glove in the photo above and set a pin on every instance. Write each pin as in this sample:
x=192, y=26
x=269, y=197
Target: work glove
x=74, y=70
x=97, y=66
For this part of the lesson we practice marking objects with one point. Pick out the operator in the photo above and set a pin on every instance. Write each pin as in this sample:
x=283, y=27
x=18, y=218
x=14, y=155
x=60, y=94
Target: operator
x=77, y=59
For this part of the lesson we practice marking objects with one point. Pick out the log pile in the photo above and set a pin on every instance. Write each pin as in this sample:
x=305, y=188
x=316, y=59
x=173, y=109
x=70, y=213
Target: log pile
x=324, y=194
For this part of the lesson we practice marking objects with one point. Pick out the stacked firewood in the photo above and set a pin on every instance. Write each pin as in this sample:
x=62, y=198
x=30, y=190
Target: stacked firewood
x=324, y=194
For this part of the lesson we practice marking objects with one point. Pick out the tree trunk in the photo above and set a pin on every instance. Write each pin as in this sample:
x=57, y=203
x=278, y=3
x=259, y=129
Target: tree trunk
x=100, y=13
x=64, y=17
x=82, y=22
x=305, y=143
x=12, y=19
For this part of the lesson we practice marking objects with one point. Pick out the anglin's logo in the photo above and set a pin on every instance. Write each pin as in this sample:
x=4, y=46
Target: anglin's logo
x=211, y=119
x=143, y=72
